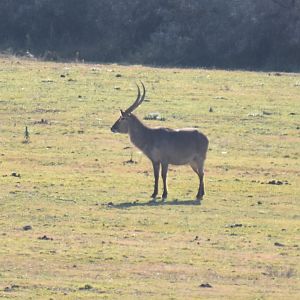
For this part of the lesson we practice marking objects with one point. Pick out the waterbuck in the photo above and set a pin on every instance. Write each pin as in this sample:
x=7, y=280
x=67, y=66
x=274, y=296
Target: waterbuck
x=164, y=146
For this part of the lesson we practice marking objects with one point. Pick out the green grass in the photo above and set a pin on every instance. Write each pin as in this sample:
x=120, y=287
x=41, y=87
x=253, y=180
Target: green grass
x=74, y=166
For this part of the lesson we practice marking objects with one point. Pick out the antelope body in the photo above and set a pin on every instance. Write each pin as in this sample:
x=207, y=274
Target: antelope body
x=164, y=146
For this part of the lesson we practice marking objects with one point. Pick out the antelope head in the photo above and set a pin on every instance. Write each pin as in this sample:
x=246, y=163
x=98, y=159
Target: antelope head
x=121, y=125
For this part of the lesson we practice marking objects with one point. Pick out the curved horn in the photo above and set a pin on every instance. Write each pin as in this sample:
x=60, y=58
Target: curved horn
x=144, y=94
x=135, y=104
x=137, y=101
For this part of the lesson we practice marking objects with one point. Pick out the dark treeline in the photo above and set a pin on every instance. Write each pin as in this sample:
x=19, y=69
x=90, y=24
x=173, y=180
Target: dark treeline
x=251, y=34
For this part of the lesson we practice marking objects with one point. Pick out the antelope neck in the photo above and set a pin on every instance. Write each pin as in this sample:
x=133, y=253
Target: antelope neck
x=138, y=132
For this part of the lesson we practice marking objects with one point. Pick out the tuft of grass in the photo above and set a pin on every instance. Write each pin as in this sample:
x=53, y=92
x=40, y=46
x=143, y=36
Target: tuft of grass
x=154, y=116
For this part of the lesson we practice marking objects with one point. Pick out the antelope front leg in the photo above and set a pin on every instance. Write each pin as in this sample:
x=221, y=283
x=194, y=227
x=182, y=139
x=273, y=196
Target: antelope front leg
x=156, y=167
x=164, y=171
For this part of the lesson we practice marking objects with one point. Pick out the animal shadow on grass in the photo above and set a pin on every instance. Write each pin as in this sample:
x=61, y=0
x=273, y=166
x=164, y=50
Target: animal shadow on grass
x=154, y=203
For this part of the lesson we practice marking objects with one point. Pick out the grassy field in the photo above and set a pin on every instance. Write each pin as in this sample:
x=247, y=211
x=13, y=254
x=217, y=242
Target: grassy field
x=92, y=233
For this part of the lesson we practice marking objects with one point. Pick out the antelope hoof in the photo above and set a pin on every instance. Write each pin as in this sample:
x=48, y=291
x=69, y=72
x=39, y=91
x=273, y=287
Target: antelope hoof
x=199, y=197
x=164, y=197
x=198, y=201
x=153, y=196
